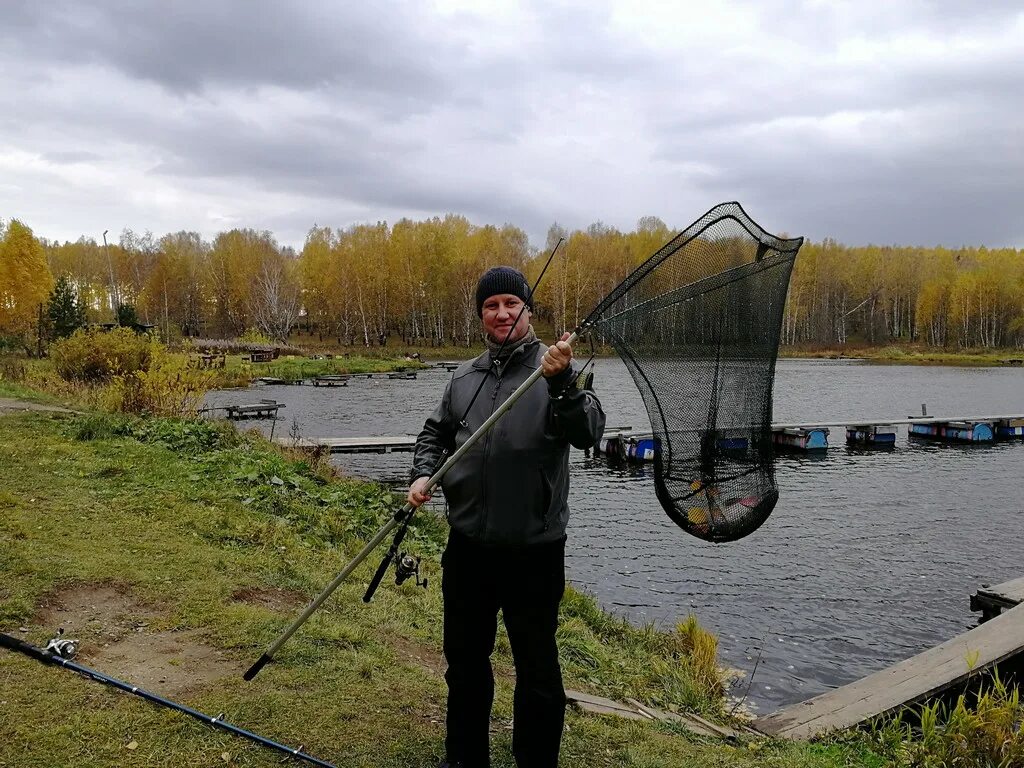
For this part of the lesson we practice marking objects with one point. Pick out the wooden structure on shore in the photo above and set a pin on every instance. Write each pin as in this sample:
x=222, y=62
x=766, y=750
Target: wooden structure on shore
x=947, y=667
x=992, y=601
x=403, y=443
x=634, y=710
x=330, y=380
x=811, y=436
x=264, y=409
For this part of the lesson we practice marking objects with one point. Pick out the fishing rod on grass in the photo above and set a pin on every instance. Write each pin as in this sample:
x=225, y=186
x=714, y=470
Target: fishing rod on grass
x=697, y=325
x=407, y=565
x=59, y=652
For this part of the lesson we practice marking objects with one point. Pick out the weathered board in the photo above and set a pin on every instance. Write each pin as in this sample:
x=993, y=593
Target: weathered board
x=992, y=600
x=634, y=710
x=353, y=444
x=907, y=682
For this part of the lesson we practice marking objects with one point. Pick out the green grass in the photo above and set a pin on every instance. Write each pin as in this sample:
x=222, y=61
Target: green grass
x=905, y=354
x=183, y=515
x=980, y=733
x=239, y=372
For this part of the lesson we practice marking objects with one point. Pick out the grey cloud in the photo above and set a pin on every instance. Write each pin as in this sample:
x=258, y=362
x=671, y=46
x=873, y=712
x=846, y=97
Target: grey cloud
x=70, y=157
x=363, y=48
x=386, y=108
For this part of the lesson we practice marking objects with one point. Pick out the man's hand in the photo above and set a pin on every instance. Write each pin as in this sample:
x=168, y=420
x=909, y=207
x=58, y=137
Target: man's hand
x=557, y=358
x=418, y=491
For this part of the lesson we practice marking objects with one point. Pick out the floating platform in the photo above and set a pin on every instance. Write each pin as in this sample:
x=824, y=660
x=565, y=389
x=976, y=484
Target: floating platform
x=339, y=380
x=991, y=601
x=813, y=436
x=265, y=409
x=1009, y=428
x=872, y=435
x=402, y=375
x=918, y=679
x=954, y=431
x=801, y=438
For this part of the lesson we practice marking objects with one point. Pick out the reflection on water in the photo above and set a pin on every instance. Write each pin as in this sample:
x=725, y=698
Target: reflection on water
x=869, y=557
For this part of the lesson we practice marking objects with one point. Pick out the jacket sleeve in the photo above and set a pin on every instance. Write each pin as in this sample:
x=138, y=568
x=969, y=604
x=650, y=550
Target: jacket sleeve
x=576, y=412
x=436, y=438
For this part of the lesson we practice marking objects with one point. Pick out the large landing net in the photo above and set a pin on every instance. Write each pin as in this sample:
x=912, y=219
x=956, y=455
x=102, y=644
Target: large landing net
x=698, y=325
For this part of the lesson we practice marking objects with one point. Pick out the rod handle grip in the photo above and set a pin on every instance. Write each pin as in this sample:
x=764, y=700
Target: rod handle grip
x=254, y=670
x=378, y=577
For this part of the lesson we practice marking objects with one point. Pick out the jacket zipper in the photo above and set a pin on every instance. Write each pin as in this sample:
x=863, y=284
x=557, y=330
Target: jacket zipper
x=487, y=453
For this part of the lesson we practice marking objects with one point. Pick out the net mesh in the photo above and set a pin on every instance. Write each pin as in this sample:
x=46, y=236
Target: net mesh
x=698, y=325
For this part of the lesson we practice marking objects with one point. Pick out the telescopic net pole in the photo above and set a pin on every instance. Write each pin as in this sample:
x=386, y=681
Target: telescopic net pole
x=398, y=518
x=32, y=651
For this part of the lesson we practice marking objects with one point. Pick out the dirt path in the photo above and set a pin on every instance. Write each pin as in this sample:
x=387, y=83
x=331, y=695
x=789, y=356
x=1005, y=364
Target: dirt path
x=13, y=404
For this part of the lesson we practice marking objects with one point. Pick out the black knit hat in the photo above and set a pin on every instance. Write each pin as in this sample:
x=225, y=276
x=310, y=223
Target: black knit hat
x=502, y=280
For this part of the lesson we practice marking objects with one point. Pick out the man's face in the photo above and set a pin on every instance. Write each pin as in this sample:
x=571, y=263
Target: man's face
x=499, y=317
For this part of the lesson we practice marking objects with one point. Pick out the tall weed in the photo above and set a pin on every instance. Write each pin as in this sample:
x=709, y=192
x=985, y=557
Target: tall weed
x=984, y=734
x=166, y=387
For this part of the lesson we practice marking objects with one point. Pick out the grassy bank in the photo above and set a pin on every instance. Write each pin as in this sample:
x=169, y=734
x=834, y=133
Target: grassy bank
x=907, y=355
x=37, y=380
x=239, y=372
x=175, y=547
x=904, y=354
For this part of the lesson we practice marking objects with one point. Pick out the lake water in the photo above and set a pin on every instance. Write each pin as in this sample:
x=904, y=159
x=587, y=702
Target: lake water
x=868, y=558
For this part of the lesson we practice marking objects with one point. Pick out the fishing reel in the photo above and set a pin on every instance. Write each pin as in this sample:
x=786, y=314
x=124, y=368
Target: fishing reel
x=407, y=566
x=58, y=646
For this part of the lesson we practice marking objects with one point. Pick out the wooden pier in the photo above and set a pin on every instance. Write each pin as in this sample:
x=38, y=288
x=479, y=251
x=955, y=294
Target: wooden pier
x=813, y=436
x=265, y=409
x=945, y=668
x=992, y=601
x=335, y=380
x=404, y=443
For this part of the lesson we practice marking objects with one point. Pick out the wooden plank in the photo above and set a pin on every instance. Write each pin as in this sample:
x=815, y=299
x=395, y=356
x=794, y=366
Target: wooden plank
x=601, y=706
x=890, y=422
x=908, y=682
x=353, y=444
x=991, y=600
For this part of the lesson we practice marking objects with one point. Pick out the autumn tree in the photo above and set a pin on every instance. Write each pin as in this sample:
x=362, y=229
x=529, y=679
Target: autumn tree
x=274, y=299
x=25, y=283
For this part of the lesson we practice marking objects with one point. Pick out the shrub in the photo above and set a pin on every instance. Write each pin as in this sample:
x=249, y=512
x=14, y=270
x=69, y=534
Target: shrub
x=167, y=386
x=255, y=336
x=98, y=356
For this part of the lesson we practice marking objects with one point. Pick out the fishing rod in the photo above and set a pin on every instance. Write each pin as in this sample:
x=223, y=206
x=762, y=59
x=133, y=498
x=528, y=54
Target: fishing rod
x=407, y=565
x=660, y=335
x=59, y=651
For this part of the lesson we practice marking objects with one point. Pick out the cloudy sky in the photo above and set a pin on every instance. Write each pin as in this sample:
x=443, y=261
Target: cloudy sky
x=870, y=122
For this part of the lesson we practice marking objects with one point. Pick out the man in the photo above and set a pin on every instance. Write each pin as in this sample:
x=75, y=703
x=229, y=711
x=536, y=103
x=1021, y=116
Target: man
x=507, y=511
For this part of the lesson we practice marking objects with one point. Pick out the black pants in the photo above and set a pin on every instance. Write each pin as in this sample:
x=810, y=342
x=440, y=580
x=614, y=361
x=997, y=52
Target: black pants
x=526, y=584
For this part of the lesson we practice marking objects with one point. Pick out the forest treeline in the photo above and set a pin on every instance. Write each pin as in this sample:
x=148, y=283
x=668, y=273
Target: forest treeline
x=415, y=281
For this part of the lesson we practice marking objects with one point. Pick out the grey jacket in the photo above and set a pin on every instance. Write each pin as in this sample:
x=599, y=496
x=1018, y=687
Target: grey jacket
x=511, y=487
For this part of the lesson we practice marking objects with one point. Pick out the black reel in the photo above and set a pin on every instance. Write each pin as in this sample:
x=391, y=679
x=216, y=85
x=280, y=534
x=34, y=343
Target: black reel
x=58, y=646
x=407, y=566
